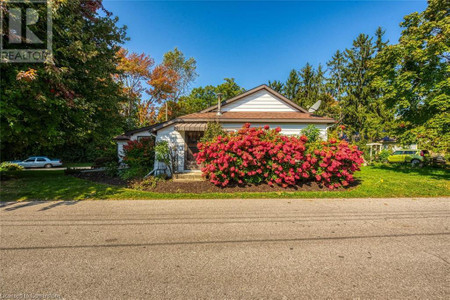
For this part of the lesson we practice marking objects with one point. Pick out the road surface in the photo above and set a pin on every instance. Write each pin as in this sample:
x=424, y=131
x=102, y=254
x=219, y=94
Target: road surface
x=226, y=249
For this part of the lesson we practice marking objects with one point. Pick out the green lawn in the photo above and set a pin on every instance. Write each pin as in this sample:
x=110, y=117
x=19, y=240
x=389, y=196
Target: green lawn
x=375, y=182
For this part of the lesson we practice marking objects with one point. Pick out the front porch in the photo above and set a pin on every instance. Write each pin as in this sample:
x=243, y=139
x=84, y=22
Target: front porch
x=191, y=134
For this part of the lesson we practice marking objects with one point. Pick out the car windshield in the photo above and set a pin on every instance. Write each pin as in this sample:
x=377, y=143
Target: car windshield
x=398, y=152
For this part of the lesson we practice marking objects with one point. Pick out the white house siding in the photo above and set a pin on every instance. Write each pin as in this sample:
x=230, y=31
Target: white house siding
x=174, y=138
x=286, y=129
x=259, y=101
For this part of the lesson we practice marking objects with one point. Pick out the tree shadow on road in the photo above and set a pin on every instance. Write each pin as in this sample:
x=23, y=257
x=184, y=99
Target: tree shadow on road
x=11, y=206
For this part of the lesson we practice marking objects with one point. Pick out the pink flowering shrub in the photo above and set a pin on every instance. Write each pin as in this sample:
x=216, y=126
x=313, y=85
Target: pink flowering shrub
x=256, y=155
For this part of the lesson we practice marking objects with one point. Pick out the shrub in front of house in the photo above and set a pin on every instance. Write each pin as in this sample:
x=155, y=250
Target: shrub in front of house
x=139, y=156
x=262, y=155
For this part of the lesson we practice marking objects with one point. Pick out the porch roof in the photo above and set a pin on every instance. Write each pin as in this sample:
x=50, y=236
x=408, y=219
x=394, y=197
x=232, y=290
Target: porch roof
x=190, y=127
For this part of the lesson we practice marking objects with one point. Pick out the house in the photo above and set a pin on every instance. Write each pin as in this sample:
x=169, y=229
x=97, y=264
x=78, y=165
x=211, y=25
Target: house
x=259, y=106
x=388, y=143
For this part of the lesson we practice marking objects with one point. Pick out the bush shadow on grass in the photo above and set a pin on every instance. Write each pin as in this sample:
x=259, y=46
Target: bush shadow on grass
x=433, y=172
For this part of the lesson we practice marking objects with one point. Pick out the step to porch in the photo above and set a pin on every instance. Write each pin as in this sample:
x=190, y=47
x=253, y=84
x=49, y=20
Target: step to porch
x=189, y=176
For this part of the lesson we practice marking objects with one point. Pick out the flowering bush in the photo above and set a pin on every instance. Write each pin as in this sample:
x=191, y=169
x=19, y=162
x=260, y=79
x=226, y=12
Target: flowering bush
x=139, y=153
x=256, y=155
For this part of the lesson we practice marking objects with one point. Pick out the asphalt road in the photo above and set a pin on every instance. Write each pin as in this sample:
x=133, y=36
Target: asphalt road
x=226, y=249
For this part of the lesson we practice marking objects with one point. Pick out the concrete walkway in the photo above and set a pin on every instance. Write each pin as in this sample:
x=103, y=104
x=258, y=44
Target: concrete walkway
x=227, y=249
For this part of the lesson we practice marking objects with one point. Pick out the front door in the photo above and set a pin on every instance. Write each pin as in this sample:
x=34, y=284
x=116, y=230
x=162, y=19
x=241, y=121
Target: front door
x=192, y=138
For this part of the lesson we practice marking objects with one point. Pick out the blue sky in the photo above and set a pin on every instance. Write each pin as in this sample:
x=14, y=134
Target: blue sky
x=252, y=41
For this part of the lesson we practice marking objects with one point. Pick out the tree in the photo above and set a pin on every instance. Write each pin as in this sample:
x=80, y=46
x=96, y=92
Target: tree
x=363, y=114
x=185, y=68
x=69, y=105
x=203, y=97
x=413, y=75
x=307, y=94
x=380, y=44
x=358, y=91
x=308, y=86
x=276, y=86
x=311, y=132
x=213, y=130
x=292, y=86
x=133, y=71
x=336, y=67
x=329, y=106
x=164, y=84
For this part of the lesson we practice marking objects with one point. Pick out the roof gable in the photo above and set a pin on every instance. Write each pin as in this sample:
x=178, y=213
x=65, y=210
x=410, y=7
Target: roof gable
x=261, y=98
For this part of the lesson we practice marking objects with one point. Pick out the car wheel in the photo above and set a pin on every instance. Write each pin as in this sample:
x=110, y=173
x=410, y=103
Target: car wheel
x=48, y=166
x=416, y=163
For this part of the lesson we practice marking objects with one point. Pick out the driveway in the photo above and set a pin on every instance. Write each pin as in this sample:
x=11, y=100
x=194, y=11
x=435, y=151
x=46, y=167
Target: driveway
x=57, y=169
x=227, y=249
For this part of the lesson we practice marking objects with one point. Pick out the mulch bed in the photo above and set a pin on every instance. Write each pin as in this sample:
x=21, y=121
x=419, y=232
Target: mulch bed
x=199, y=187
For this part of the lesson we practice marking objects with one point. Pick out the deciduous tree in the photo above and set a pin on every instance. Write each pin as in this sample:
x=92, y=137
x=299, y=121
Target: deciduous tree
x=414, y=77
x=69, y=105
x=204, y=97
x=133, y=71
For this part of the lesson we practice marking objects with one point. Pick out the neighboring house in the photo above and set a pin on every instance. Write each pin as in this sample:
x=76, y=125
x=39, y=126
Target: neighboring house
x=259, y=106
x=392, y=144
x=387, y=143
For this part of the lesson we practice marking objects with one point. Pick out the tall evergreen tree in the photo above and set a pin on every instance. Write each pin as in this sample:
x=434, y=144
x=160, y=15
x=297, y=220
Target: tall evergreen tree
x=358, y=91
x=276, y=85
x=362, y=111
x=292, y=86
x=307, y=94
x=336, y=68
x=380, y=44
